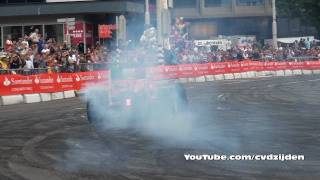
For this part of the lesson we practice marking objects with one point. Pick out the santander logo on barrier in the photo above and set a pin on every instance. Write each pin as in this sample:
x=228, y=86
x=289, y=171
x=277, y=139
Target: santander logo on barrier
x=21, y=81
x=218, y=66
x=65, y=79
x=36, y=80
x=58, y=79
x=47, y=80
x=78, y=78
x=6, y=82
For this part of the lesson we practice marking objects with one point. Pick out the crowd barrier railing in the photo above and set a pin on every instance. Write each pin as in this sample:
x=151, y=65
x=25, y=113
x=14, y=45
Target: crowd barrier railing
x=23, y=71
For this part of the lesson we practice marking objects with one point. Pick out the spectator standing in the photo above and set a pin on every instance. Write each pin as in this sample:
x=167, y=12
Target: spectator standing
x=308, y=44
x=28, y=67
x=40, y=44
x=46, y=49
x=72, y=61
x=35, y=36
x=15, y=62
x=9, y=44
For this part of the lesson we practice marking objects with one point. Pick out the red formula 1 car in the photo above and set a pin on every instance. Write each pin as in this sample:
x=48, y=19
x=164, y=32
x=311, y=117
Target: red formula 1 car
x=132, y=97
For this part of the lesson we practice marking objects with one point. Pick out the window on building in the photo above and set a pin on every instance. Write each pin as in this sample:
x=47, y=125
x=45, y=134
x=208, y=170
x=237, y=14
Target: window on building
x=217, y=3
x=21, y=1
x=54, y=32
x=29, y=29
x=35, y=1
x=16, y=1
x=184, y=3
x=250, y=2
x=14, y=31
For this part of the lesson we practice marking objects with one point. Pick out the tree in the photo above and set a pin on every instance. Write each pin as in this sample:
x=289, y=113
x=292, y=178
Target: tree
x=307, y=10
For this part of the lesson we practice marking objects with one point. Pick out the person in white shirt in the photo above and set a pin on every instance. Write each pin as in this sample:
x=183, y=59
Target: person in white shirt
x=72, y=61
x=28, y=67
x=29, y=64
x=34, y=36
x=25, y=42
x=45, y=50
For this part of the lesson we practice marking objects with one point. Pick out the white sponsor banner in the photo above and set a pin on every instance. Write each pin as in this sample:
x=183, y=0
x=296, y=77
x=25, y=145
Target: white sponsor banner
x=221, y=43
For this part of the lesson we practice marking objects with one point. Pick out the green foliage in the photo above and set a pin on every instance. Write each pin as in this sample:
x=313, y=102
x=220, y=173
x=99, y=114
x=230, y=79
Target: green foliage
x=307, y=10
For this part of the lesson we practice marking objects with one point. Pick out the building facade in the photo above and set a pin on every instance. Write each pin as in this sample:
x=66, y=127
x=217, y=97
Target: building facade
x=20, y=17
x=207, y=18
x=226, y=17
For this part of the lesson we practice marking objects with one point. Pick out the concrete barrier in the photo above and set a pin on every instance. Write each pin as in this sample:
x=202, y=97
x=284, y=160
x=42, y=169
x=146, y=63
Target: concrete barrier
x=210, y=78
x=79, y=93
x=45, y=97
x=12, y=99
x=31, y=98
x=57, y=95
x=307, y=72
x=200, y=79
x=260, y=74
x=237, y=75
x=69, y=94
x=183, y=80
x=219, y=77
x=270, y=73
x=316, y=71
x=191, y=80
x=288, y=73
x=280, y=73
x=297, y=72
x=244, y=75
x=273, y=73
x=251, y=74
x=228, y=76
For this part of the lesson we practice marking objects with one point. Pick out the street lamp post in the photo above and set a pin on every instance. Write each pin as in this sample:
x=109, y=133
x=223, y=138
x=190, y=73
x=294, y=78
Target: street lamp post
x=163, y=21
x=274, y=25
x=147, y=14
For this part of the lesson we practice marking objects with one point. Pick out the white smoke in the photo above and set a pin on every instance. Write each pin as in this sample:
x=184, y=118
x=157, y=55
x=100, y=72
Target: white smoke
x=161, y=124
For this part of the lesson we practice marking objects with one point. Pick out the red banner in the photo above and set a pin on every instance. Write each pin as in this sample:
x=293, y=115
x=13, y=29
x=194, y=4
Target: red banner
x=48, y=83
x=105, y=31
x=45, y=83
x=16, y=84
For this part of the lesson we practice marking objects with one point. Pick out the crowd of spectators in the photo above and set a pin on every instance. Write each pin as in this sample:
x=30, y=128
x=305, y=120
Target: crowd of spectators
x=33, y=53
x=299, y=50
x=185, y=51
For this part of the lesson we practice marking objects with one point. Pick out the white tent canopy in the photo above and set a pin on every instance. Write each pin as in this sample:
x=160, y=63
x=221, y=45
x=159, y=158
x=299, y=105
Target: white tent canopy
x=291, y=40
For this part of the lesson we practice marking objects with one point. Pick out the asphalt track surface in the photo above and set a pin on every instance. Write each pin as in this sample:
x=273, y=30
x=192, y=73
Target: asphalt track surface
x=53, y=141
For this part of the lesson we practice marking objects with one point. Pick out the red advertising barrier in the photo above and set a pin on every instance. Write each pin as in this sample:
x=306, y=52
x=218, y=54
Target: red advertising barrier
x=16, y=84
x=48, y=83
